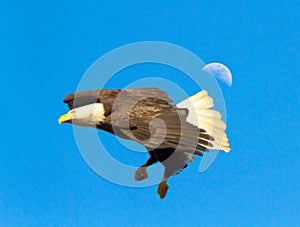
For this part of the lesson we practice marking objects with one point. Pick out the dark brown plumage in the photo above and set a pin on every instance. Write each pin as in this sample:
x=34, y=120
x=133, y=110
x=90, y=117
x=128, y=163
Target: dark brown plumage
x=147, y=116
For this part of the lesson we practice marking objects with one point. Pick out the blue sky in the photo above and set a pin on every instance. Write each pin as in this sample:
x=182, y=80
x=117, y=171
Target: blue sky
x=46, y=47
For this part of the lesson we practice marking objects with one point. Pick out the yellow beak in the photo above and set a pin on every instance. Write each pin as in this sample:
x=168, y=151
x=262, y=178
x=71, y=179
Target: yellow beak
x=65, y=117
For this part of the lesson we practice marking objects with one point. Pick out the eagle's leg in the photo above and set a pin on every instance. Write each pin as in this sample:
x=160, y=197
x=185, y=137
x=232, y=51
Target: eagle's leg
x=163, y=188
x=141, y=173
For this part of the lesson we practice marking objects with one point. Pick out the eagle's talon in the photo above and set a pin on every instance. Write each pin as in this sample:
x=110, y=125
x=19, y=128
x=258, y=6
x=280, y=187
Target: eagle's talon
x=141, y=174
x=162, y=189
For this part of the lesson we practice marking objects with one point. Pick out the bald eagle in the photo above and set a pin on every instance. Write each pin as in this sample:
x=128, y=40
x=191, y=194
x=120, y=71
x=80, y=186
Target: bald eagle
x=172, y=134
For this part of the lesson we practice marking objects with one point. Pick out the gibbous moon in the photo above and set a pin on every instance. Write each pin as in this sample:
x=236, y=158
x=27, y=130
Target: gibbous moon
x=220, y=71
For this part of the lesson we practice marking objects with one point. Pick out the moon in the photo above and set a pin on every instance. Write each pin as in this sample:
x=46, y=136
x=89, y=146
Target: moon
x=220, y=71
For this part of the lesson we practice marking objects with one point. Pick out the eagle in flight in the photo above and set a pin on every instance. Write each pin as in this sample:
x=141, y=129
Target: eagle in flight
x=172, y=134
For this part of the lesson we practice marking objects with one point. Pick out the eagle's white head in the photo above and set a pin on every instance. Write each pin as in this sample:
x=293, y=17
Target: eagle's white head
x=89, y=115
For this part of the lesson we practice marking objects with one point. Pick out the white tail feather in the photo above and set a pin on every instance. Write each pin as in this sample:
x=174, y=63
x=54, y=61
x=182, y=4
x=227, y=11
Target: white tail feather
x=202, y=116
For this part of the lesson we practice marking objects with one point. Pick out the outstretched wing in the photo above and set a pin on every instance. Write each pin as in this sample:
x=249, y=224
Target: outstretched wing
x=108, y=97
x=170, y=130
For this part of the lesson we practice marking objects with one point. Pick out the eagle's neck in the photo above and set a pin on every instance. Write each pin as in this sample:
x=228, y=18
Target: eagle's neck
x=89, y=115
